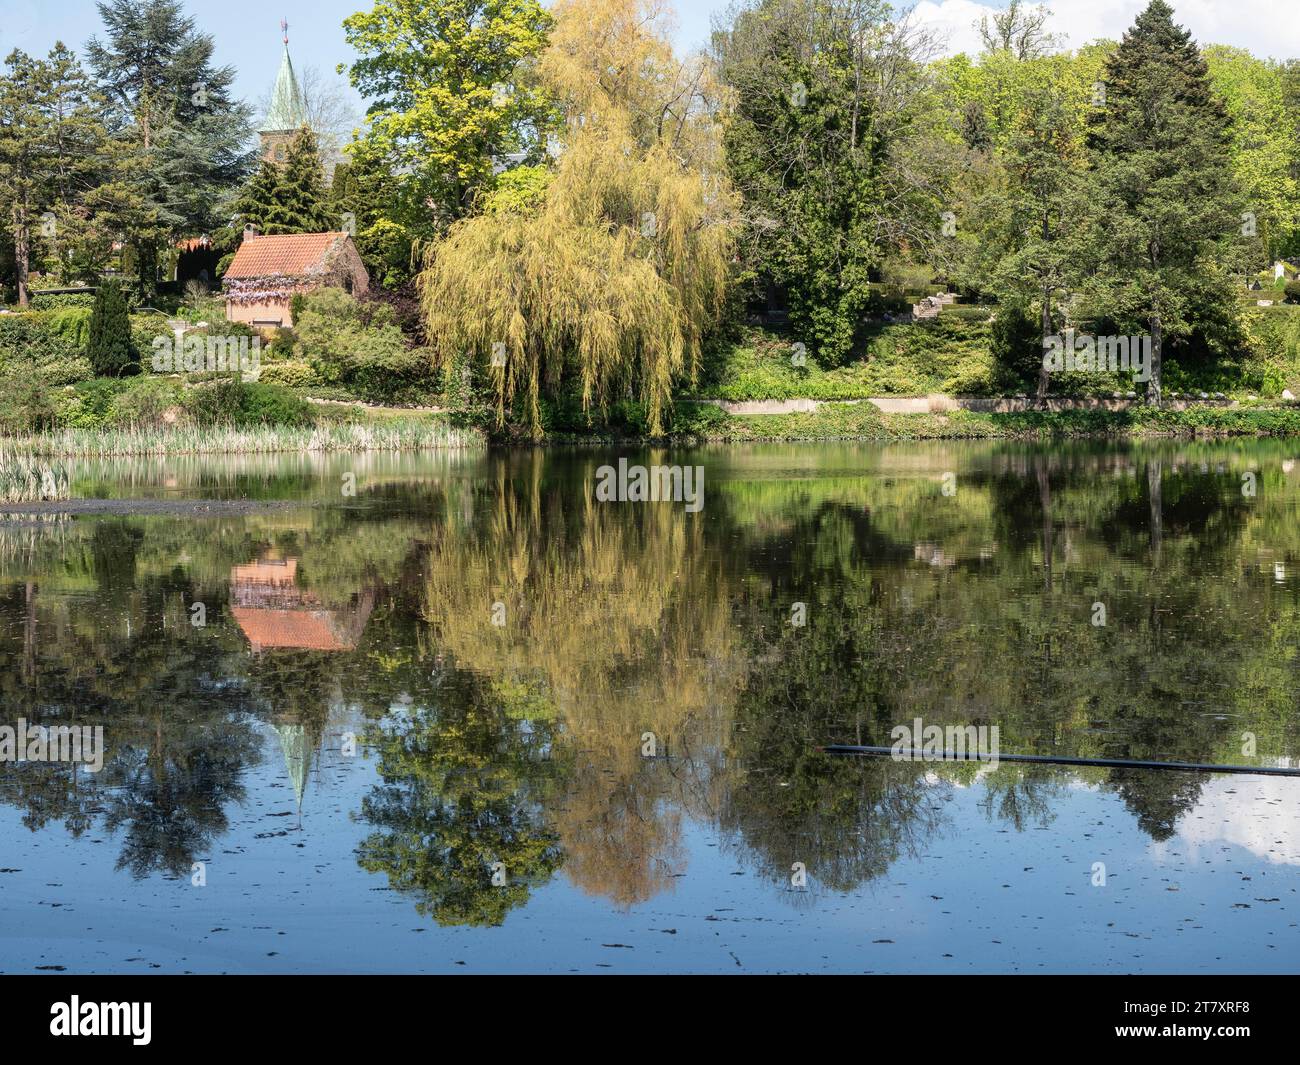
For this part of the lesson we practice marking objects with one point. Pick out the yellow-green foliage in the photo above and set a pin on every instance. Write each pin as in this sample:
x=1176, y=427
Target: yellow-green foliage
x=615, y=271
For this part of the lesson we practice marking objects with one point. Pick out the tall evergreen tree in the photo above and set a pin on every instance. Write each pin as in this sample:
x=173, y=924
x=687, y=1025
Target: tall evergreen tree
x=827, y=92
x=257, y=197
x=300, y=204
x=108, y=346
x=289, y=197
x=52, y=154
x=1166, y=213
x=21, y=148
x=172, y=107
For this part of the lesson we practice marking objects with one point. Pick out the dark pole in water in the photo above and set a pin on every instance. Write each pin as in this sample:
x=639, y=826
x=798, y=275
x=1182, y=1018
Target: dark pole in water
x=844, y=750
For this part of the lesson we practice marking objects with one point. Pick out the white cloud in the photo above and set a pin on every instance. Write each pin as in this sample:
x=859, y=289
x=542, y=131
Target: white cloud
x=1259, y=25
x=1260, y=814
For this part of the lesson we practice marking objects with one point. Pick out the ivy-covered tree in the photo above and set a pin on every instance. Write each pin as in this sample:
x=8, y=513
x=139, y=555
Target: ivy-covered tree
x=828, y=94
x=363, y=193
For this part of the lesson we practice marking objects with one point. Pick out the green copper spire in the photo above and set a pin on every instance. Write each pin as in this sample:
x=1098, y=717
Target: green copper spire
x=286, y=111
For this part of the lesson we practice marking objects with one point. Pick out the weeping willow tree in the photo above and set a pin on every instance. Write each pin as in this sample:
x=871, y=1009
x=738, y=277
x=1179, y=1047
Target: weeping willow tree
x=608, y=267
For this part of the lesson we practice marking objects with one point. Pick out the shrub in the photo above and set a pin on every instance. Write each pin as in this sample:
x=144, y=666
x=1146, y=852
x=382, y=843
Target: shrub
x=26, y=340
x=231, y=402
x=1293, y=291
x=51, y=301
x=89, y=403
x=292, y=372
x=144, y=328
x=26, y=405
x=283, y=342
x=71, y=325
x=389, y=371
x=109, y=347
x=267, y=404
x=145, y=403
x=357, y=344
x=64, y=371
x=217, y=402
x=1016, y=341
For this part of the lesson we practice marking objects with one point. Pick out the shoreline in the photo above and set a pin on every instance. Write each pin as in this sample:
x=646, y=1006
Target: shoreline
x=694, y=422
x=195, y=508
x=706, y=423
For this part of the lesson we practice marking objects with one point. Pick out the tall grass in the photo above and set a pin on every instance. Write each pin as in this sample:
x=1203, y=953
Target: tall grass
x=394, y=436
x=24, y=479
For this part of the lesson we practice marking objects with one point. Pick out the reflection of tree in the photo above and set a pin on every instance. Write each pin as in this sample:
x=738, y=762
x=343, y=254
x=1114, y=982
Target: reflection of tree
x=622, y=839
x=524, y=744
x=1020, y=795
x=463, y=789
x=616, y=624
x=847, y=821
x=171, y=801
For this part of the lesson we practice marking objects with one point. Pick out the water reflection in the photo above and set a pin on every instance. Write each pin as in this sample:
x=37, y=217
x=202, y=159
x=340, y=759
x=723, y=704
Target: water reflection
x=553, y=687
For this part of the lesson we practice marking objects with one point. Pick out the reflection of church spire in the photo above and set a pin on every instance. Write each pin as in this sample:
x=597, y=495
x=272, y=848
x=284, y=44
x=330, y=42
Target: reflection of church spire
x=297, y=758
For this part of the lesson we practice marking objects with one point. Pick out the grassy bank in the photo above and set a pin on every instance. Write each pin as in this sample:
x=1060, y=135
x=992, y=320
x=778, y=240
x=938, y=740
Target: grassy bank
x=955, y=354
x=948, y=355
x=391, y=435
x=864, y=421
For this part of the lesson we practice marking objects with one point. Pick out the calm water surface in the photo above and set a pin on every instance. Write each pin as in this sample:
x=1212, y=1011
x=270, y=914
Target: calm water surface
x=469, y=719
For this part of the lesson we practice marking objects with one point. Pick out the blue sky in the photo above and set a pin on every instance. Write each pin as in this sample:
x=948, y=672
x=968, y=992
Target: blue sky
x=247, y=32
x=248, y=36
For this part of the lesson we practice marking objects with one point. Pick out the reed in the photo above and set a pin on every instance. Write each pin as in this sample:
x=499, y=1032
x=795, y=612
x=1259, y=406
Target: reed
x=394, y=436
x=26, y=479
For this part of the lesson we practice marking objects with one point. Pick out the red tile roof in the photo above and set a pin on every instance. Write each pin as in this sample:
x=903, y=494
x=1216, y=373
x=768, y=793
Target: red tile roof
x=308, y=630
x=282, y=255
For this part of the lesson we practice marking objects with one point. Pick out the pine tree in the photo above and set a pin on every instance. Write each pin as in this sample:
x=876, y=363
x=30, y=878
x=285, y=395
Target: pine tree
x=1165, y=207
x=299, y=204
x=289, y=197
x=258, y=197
x=186, y=132
x=109, y=347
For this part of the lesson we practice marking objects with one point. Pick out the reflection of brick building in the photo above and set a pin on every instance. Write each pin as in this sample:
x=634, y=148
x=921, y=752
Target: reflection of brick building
x=274, y=613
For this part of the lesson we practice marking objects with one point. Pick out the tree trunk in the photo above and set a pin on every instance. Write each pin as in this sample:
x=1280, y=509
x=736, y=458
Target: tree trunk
x=1157, y=339
x=1045, y=500
x=1155, y=484
x=1043, y=374
x=22, y=256
x=29, y=635
x=146, y=261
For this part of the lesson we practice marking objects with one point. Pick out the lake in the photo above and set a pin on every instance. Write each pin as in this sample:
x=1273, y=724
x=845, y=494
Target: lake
x=454, y=713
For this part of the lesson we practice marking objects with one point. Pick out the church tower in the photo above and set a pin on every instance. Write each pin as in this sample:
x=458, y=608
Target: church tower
x=287, y=113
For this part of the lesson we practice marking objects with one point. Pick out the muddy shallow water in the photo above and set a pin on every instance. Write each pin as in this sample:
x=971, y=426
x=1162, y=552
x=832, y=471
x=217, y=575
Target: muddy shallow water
x=450, y=713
